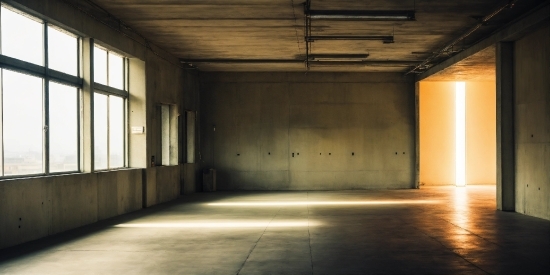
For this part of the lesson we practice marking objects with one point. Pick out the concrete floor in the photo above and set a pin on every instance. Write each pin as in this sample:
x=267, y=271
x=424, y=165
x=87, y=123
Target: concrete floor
x=435, y=230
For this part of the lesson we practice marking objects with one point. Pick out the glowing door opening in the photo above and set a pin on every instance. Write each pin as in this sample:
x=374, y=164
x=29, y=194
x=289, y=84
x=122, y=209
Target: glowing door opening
x=460, y=133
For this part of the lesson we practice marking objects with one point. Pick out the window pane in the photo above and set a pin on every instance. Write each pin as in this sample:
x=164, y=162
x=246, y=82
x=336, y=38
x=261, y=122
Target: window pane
x=63, y=128
x=165, y=133
x=22, y=37
x=100, y=66
x=62, y=52
x=22, y=122
x=100, y=131
x=116, y=132
x=116, y=71
x=191, y=137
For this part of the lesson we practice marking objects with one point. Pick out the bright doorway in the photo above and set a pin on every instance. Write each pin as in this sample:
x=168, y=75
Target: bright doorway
x=440, y=144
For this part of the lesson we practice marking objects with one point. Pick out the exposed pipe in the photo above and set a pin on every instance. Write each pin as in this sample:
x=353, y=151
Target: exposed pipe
x=482, y=22
x=237, y=61
x=379, y=63
x=307, y=30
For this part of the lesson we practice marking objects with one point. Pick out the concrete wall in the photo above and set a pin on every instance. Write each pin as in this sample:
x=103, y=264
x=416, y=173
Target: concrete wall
x=162, y=184
x=437, y=133
x=31, y=208
x=532, y=123
x=190, y=176
x=314, y=131
x=37, y=207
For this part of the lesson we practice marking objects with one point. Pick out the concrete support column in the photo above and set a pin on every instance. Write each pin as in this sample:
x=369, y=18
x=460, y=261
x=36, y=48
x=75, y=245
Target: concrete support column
x=87, y=129
x=137, y=143
x=506, y=159
x=417, y=134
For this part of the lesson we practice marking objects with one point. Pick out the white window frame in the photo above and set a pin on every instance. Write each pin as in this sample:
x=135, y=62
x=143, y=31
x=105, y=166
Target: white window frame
x=111, y=91
x=47, y=75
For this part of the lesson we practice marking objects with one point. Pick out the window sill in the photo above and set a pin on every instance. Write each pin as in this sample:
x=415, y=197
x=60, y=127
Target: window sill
x=115, y=169
x=63, y=174
x=39, y=176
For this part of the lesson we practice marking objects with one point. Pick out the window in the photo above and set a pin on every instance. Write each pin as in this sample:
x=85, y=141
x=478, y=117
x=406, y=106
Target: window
x=165, y=133
x=62, y=51
x=22, y=36
x=63, y=129
x=109, y=68
x=109, y=109
x=39, y=96
x=22, y=126
x=190, y=137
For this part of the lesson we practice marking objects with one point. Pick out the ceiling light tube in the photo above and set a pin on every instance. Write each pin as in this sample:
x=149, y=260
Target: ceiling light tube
x=368, y=15
x=238, y=61
x=338, y=57
x=385, y=38
x=364, y=63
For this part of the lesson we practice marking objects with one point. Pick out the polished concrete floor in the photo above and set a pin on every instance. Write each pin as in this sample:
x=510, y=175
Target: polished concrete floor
x=436, y=230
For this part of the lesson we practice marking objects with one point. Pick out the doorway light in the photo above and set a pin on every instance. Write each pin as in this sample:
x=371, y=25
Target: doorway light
x=460, y=134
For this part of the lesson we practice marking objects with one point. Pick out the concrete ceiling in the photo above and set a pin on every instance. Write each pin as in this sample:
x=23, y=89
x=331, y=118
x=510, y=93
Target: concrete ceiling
x=478, y=67
x=221, y=35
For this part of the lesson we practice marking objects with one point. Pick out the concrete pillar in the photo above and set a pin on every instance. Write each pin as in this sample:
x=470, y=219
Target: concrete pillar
x=87, y=148
x=137, y=143
x=506, y=160
x=417, y=134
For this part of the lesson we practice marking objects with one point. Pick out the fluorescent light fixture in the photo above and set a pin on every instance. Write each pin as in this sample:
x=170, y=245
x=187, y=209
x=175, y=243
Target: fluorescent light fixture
x=460, y=133
x=364, y=63
x=240, y=61
x=338, y=57
x=320, y=203
x=384, y=38
x=367, y=15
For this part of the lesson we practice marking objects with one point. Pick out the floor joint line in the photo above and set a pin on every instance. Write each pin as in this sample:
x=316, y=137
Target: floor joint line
x=450, y=249
x=489, y=241
x=308, y=233
x=256, y=243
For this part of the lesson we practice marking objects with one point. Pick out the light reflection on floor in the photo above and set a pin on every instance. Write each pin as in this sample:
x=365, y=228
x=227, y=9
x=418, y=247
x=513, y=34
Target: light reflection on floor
x=461, y=212
x=314, y=203
x=434, y=230
x=221, y=224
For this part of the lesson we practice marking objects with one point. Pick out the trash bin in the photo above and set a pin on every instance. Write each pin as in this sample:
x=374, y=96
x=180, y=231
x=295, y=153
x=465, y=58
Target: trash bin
x=209, y=180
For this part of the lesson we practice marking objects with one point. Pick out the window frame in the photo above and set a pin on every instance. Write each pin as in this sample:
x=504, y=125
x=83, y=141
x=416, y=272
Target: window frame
x=190, y=136
x=112, y=91
x=47, y=75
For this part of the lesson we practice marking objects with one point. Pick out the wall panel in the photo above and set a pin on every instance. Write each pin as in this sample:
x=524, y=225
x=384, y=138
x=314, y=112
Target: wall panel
x=320, y=131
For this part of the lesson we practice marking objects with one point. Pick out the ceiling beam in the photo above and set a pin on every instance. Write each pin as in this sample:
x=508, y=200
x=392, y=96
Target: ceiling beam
x=351, y=62
x=511, y=32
